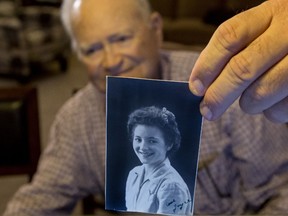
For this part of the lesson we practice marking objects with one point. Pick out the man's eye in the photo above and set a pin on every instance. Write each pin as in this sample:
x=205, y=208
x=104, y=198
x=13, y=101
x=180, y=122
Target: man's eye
x=91, y=50
x=121, y=38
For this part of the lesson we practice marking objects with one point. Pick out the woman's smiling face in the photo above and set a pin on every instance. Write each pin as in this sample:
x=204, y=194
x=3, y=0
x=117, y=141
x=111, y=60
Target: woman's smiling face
x=149, y=144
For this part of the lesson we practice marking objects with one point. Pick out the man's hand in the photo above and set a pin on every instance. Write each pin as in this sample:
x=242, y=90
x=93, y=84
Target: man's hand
x=247, y=58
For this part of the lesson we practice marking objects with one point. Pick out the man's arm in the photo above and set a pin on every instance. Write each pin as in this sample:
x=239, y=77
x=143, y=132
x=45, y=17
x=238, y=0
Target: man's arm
x=246, y=57
x=62, y=177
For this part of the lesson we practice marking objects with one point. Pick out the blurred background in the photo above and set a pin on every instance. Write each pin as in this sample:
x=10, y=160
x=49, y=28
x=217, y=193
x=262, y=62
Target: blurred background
x=35, y=51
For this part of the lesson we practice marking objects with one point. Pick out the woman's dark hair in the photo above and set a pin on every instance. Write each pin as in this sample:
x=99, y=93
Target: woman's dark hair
x=160, y=118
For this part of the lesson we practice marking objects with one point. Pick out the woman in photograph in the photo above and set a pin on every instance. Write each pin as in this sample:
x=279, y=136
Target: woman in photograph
x=155, y=186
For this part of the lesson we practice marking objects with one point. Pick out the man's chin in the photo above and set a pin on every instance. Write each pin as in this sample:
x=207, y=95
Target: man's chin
x=100, y=87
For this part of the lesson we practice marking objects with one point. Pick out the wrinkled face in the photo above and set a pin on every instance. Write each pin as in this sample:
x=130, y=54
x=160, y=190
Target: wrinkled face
x=112, y=38
x=149, y=144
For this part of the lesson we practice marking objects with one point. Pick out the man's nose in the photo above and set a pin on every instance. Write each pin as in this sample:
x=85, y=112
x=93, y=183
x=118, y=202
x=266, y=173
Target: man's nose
x=112, y=61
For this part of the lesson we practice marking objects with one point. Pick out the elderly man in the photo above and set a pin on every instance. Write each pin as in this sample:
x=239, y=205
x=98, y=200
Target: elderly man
x=243, y=160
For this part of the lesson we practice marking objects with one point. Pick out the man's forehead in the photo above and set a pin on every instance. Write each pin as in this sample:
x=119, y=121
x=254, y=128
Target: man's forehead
x=104, y=6
x=89, y=33
x=95, y=24
x=98, y=39
x=92, y=13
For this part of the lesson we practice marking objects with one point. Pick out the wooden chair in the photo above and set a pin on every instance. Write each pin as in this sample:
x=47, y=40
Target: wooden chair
x=19, y=131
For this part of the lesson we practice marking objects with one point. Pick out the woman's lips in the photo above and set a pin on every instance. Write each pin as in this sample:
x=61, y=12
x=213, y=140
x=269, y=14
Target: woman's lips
x=145, y=154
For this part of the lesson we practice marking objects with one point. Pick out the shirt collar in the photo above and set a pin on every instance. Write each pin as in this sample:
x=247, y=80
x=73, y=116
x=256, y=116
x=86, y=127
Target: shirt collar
x=165, y=65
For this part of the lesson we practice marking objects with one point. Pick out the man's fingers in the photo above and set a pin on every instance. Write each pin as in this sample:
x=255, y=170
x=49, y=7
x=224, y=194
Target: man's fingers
x=261, y=94
x=279, y=112
x=243, y=69
x=229, y=39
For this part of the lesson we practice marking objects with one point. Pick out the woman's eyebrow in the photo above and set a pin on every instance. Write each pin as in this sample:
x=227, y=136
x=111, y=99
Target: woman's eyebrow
x=154, y=137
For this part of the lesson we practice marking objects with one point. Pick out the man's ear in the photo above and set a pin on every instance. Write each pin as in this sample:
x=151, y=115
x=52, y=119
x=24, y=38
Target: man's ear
x=157, y=25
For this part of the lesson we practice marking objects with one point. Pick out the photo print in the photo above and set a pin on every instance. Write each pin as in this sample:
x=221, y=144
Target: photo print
x=153, y=136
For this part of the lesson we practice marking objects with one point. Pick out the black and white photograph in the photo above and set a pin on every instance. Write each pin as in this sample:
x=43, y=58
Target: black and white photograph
x=153, y=136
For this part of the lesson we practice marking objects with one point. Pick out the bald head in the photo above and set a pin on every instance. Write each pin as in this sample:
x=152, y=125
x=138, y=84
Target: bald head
x=83, y=9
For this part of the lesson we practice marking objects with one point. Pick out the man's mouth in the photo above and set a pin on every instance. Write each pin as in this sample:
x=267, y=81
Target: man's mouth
x=120, y=72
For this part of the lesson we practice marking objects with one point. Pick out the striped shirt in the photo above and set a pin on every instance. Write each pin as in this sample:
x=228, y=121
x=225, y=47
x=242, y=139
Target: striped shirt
x=242, y=168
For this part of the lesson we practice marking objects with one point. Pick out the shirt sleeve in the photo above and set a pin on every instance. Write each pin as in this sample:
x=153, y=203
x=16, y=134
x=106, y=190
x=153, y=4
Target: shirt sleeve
x=63, y=175
x=243, y=165
x=260, y=155
x=174, y=198
x=278, y=204
x=129, y=192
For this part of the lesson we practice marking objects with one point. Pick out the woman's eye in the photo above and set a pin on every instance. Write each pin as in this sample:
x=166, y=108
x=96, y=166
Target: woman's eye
x=152, y=141
x=137, y=139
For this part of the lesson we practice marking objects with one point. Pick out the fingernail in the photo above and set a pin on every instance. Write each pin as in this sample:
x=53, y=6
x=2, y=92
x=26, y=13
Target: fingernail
x=197, y=88
x=206, y=112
